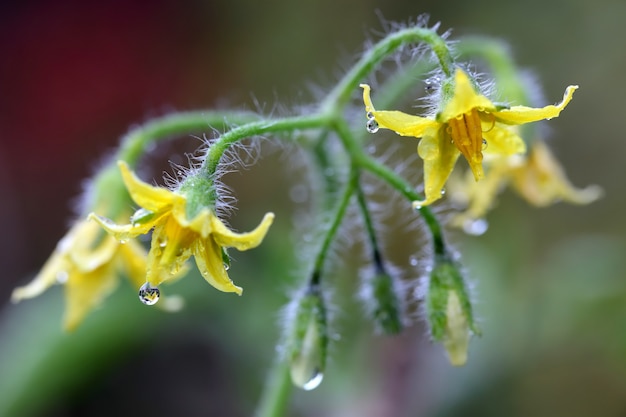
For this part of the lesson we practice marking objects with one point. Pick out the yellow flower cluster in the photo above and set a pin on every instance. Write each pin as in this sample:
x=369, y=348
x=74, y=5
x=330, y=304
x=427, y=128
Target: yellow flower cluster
x=467, y=124
x=175, y=237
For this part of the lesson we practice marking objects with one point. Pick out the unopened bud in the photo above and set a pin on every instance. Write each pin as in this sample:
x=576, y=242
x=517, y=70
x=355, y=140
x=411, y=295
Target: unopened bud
x=382, y=300
x=309, y=341
x=449, y=311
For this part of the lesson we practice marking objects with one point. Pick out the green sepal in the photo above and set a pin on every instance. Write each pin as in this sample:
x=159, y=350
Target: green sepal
x=446, y=277
x=141, y=216
x=200, y=192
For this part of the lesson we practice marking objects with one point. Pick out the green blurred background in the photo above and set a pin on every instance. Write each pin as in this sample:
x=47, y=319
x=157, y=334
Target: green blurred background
x=550, y=283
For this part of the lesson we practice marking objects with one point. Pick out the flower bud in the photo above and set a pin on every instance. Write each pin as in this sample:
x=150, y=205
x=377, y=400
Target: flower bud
x=449, y=311
x=309, y=341
x=382, y=301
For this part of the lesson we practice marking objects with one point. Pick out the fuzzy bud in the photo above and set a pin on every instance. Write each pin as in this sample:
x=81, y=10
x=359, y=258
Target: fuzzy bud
x=381, y=298
x=449, y=311
x=309, y=341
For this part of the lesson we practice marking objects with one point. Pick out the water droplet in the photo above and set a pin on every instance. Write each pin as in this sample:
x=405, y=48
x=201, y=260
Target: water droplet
x=62, y=277
x=123, y=241
x=370, y=115
x=179, y=173
x=485, y=144
x=372, y=126
x=148, y=294
x=416, y=207
x=163, y=243
x=226, y=267
x=443, y=191
x=314, y=382
x=475, y=227
x=413, y=261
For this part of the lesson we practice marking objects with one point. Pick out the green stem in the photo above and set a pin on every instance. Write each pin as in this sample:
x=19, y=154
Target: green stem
x=338, y=215
x=217, y=149
x=371, y=231
x=134, y=143
x=383, y=172
x=276, y=392
x=341, y=94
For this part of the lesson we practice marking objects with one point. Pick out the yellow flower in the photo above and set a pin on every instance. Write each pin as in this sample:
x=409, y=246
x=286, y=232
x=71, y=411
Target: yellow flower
x=87, y=262
x=176, y=237
x=468, y=123
x=537, y=177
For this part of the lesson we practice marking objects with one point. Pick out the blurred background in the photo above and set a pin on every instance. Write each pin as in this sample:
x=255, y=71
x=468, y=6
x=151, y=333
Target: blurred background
x=551, y=283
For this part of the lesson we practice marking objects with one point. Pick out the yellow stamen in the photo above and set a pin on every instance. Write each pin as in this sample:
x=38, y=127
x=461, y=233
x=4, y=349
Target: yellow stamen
x=467, y=136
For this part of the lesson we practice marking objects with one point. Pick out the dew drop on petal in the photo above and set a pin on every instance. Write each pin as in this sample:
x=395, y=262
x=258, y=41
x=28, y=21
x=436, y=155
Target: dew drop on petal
x=443, y=191
x=369, y=115
x=163, y=243
x=226, y=266
x=485, y=144
x=475, y=227
x=148, y=294
x=372, y=126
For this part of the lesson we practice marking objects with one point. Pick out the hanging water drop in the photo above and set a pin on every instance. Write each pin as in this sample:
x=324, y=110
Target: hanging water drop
x=372, y=126
x=148, y=294
x=226, y=266
x=443, y=191
x=369, y=115
x=475, y=227
x=314, y=382
x=485, y=144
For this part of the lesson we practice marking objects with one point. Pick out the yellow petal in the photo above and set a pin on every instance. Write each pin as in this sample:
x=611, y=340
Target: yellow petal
x=521, y=114
x=147, y=196
x=542, y=181
x=133, y=262
x=55, y=270
x=169, y=250
x=479, y=197
x=126, y=231
x=503, y=140
x=241, y=241
x=88, y=259
x=439, y=156
x=84, y=291
x=401, y=123
x=200, y=224
x=208, y=255
x=465, y=99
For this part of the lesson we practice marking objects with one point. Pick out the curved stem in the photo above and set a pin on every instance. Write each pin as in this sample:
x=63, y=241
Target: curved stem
x=134, y=143
x=371, y=231
x=217, y=149
x=393, y=179
x=338, y=215
x=340, y=95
